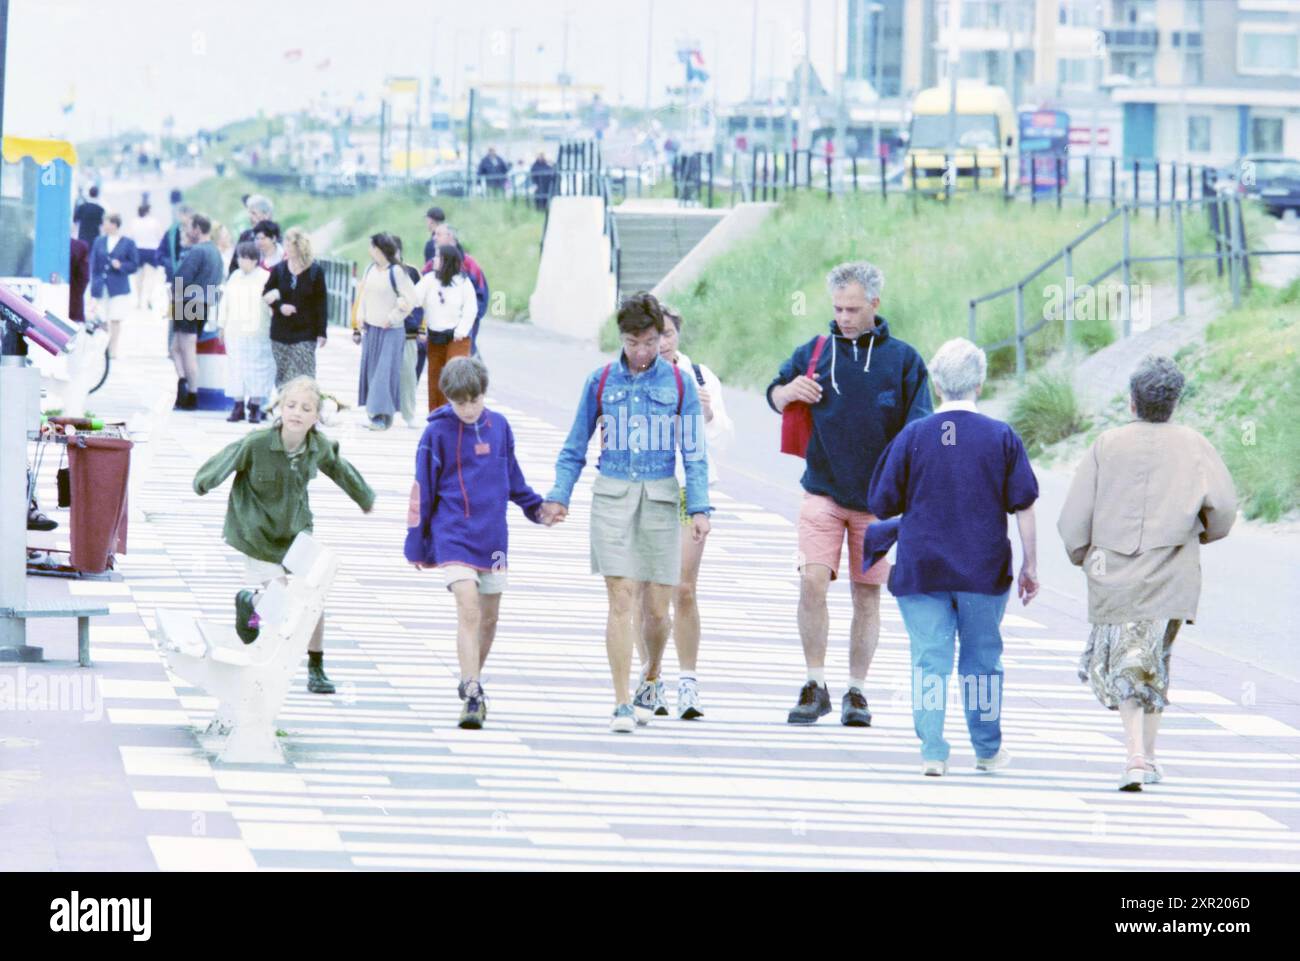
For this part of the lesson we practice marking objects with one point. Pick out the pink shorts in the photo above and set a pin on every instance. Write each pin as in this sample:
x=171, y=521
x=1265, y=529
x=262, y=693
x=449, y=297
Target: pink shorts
x=823, y=525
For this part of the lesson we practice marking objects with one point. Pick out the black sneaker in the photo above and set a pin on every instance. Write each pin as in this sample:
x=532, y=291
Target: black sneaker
x=317, y=682
x=36, y=521
x=814, y=702
x=247, y=623
x=853, y=709
x=474, y=713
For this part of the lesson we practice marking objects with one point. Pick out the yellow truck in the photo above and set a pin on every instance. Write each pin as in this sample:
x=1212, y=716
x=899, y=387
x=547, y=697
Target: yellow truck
x=986, y=136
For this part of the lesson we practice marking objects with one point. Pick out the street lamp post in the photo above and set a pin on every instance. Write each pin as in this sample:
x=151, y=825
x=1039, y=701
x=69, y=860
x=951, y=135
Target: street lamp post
x=878, y=20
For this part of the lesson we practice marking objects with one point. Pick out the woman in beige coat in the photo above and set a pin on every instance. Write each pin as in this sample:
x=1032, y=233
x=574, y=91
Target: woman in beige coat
x=1144, y=499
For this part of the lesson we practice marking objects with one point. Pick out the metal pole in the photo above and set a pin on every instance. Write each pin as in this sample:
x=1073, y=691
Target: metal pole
x=409, y=121
x=1234, y=254
x=879, y=13
x=469, y=138
x=1087, y=181
x=1182, y=268
x=1128, y=313
x=1157, y=191
x=1020, y=333
x=649, y=49
x=1069, y=302
x=970, y=322
x=14, y=398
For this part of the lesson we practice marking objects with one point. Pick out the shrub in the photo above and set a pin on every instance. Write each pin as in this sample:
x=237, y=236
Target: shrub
x=1047, y=411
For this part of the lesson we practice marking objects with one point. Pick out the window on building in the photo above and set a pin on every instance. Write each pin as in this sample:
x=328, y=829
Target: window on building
x=1074, y=72
x=1198, y=134
x=1080, y=13
x=1134, y=13
x=1193, y=13
x=1261, y=51
x=1138, y=67
x=1265, y=134
x=1193, y=67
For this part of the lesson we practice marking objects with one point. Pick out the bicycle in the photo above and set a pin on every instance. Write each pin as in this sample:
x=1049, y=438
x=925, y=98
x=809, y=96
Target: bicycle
x=97, y=352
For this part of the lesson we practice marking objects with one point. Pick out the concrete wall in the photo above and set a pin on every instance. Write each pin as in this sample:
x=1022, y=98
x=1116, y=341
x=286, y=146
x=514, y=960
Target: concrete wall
x=743, y=221
x=575, y=289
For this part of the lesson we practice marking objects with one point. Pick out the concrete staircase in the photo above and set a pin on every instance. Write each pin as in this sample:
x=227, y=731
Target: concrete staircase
x=654, y=237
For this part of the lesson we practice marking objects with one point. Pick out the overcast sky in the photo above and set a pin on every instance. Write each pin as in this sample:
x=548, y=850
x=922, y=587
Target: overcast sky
x=133, y=62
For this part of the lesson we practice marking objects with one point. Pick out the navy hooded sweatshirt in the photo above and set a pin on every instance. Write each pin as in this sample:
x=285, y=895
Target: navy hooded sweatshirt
x=465, y=477
x=871, y=388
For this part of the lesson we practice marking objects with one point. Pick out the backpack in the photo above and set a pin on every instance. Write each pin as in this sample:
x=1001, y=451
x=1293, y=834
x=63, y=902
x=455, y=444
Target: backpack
x=415, y=319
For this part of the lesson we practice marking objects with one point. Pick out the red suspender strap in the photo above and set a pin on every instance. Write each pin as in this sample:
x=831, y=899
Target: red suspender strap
x=681, y=388
x=816, y=355
x=600, y=391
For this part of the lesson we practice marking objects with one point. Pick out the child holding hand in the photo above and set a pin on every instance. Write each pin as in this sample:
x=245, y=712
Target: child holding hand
x=465, y=476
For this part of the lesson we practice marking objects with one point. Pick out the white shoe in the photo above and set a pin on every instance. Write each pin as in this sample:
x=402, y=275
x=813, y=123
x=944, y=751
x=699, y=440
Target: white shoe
x=995, y=763
x=1135, y=775
x=623, y=721
x=1156, y=774
x=688, y=700
x=934, y=768
x=643, y=702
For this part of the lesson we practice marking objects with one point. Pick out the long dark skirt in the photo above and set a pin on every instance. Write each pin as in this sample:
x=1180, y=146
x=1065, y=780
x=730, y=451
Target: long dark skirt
x=381, y=370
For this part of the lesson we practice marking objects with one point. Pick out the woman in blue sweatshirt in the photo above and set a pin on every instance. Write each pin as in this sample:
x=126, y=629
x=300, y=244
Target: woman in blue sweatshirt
x=465, y=475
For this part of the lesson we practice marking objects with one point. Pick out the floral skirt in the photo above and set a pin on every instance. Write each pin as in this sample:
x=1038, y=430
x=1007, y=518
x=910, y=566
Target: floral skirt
x=293, y=360
x=1130, y=660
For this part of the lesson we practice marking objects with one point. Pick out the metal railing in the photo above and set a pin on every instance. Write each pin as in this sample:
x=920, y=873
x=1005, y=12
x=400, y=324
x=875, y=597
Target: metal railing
x=340, y=290
x=1231, y=255
x=580, y=172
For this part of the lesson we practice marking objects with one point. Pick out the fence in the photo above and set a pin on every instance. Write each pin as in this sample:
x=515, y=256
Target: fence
x=340, y=289
x=1231, y=256
x=580, y=172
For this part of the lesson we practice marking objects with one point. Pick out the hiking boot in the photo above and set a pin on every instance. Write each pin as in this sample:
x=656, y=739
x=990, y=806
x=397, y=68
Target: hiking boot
x=474, y=713
x=236, y=413
x=643, y=702
x=814, y=702
x=317, y=682
x=853, y=709
x=255, y=414
x=247, y=624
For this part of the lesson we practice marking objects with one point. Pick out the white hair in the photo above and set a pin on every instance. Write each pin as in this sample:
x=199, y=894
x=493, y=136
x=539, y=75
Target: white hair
x=958, y=368
x=866, y=275
x=260, y=204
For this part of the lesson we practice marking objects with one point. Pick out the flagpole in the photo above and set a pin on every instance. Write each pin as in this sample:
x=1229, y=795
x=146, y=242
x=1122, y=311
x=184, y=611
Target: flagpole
x=4, y=43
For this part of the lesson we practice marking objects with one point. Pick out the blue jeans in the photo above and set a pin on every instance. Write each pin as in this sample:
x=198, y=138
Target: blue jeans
x=933, y=622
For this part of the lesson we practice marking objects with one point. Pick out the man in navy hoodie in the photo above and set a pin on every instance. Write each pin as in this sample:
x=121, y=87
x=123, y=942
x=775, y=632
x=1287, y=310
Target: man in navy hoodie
x=864, y=387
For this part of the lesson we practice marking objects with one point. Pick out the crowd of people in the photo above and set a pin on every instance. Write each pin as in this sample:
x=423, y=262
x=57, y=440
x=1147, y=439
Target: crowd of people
x=886, y=471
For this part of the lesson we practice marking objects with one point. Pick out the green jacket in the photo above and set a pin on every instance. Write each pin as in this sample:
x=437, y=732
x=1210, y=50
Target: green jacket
x=268, y=504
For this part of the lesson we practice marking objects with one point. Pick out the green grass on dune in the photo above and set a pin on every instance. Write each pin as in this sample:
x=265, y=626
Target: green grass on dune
x=753, y=304
x=504, y=238
x=1243, y=392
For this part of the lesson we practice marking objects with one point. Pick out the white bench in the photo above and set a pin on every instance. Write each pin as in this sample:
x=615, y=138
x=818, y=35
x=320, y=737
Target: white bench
x=250, y=681
x=82, y=610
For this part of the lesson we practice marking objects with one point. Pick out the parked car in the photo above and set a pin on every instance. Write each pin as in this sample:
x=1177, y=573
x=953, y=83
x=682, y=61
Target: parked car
x=449, y=183
x=1272, y=179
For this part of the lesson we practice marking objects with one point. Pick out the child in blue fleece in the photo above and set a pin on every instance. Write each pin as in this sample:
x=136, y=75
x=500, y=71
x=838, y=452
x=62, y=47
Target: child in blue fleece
x=465, y=474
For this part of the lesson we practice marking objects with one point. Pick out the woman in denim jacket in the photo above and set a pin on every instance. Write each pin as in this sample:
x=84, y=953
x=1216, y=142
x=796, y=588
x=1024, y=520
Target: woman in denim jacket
x=648, y=413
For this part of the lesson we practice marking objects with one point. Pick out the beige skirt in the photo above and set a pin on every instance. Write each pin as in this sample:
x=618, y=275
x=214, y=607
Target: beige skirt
x=1130, y=660
x=635, y=529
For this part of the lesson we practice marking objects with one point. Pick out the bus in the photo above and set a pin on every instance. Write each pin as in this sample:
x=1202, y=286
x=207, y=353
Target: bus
x=986, y=133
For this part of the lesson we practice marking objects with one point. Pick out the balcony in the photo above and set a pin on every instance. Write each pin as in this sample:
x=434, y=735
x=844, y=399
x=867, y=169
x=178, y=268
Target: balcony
x=1132, y=41
x=1185, y=39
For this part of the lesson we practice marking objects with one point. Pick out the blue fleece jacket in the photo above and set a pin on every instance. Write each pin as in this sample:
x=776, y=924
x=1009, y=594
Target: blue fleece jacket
x=465, y=475
x=871, y=388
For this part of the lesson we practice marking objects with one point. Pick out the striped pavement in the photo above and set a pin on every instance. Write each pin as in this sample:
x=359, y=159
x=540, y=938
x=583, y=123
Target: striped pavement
x=380, y=777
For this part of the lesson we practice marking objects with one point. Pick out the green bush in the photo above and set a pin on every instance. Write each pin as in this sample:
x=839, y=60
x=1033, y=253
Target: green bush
x=1047, y=411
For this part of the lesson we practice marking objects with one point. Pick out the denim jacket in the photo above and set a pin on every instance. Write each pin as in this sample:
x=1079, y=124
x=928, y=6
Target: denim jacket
x=640, y=432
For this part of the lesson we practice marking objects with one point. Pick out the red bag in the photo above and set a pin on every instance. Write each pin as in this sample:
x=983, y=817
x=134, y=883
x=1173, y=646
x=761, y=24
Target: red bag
x=796, y=419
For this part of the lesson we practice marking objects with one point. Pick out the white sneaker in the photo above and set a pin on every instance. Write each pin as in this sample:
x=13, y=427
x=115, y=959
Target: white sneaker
x=1156, y=774
x=623, y=721
x=688, y=700
x=995, y=763
x=934, y=768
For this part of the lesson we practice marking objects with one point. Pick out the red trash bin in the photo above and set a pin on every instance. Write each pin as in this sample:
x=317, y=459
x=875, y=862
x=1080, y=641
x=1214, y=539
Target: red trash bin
x=99, y=465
